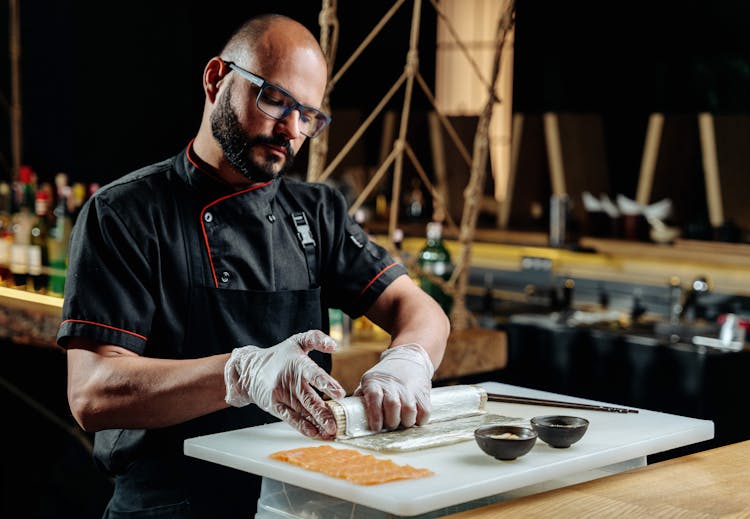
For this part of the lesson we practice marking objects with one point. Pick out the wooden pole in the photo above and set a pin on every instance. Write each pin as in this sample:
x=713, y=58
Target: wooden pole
x=438, y=165
x=460, y=317
x=516, y=133
x=711, y=169
x=501, y=126
x=554, y=153
x=650, y=154
x=329, y=36
x=412, y=61
x=16, y=127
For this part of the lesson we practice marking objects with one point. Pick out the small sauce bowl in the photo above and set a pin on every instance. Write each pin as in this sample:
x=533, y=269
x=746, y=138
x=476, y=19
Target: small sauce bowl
x=505, y=442
x=560, y=431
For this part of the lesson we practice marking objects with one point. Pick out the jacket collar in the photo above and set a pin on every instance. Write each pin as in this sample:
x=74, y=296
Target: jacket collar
x=202, y=177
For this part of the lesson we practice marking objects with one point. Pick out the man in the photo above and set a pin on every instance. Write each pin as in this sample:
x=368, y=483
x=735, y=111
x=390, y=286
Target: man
x=197, y=287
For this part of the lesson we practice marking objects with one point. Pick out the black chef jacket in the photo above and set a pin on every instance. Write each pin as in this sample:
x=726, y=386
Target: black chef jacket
x=170, y=263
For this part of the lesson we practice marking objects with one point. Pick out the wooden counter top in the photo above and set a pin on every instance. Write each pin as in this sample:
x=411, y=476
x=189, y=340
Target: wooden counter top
x=21, y=299
x=712, y=483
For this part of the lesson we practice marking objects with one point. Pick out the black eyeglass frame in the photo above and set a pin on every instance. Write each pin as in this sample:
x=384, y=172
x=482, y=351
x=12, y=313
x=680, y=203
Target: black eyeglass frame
x=295, y=105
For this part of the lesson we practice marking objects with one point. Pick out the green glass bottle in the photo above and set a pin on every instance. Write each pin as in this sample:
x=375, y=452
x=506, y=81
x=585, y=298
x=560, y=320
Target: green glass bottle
x=59, y=236
x=435, y=259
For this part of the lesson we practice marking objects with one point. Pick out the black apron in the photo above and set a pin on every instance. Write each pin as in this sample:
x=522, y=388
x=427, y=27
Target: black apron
x=162, y=482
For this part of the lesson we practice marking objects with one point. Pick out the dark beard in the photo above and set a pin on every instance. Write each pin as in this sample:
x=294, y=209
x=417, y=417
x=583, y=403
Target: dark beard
x=236, y=145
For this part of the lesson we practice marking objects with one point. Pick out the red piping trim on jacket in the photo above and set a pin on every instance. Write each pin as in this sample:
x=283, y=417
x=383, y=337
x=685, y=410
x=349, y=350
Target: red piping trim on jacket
x=373, y=280
x=203, y=226
x=104, y=326
x=190, y=159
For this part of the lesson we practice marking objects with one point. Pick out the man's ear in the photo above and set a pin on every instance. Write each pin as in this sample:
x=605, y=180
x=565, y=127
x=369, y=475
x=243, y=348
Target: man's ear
x=214, y=72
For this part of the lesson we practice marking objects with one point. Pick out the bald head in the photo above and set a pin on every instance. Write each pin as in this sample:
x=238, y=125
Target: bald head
x=268, y=38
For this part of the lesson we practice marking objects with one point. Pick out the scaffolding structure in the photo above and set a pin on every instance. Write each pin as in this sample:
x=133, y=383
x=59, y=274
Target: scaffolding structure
x=319, y=171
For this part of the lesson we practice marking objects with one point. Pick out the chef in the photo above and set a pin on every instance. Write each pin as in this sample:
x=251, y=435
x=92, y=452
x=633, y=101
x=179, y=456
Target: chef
x=198, y=291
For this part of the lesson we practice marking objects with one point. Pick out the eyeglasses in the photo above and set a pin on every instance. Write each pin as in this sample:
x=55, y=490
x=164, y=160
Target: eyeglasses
x=276, y=102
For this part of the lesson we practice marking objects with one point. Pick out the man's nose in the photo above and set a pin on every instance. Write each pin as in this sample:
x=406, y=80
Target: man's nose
x=290, y=125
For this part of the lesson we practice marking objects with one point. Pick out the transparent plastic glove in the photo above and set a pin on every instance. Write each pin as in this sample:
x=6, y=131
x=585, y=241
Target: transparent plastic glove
x=281, y=380
x=396, y=391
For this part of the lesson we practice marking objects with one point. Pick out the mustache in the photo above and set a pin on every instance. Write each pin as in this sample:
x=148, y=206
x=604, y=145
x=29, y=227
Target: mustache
x=276, y=140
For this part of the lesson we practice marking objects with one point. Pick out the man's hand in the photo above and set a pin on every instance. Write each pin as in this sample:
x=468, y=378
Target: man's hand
x=281, y=380
x=396, y=391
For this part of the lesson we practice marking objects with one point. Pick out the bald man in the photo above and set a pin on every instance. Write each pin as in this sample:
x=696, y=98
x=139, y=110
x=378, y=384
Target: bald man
x=199, y=287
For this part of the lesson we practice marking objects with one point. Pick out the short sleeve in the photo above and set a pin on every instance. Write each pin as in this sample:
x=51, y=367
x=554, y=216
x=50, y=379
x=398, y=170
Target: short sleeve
x=358, y=270
x=107, y=295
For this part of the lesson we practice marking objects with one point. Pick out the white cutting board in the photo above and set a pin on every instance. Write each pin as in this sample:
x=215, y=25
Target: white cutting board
x=462, y=471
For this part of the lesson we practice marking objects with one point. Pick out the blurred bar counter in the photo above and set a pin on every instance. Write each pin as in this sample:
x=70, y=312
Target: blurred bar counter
x=509, y=266
x=601, y=259
x=28, y=317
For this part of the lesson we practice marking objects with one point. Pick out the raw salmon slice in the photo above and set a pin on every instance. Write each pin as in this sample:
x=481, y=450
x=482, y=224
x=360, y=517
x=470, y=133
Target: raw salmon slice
x=348, y=464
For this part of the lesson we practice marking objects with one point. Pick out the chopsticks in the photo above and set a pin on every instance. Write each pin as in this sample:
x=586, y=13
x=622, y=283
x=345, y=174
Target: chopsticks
x=494, y=397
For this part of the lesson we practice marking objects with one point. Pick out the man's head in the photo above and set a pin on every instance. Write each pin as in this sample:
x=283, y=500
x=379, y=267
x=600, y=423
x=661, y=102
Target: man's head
x=282, y=57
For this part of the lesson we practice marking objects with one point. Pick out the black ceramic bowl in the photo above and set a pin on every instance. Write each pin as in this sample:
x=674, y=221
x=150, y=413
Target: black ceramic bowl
x=505, y=442
x=560, y=431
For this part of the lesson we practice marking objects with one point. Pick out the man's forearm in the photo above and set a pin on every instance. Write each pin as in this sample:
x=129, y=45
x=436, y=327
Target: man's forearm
x=410, y=315
x=424, y=323
x=128, y=391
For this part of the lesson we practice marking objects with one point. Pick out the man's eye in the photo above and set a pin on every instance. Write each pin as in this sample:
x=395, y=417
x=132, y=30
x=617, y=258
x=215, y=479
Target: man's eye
x=273, y=100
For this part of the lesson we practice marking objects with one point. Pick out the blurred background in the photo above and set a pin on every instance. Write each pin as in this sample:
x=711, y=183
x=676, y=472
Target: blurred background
x=106, y=88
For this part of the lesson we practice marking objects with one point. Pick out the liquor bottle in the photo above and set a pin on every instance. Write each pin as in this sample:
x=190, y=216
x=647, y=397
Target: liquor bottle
x=414, y=209
x=402, y=256
x=435, y=259
x=59, y=236
x=339, y=326
x=38, y=251
x=381, y=204
x=398, y=244
x=21, y=222
x=76, y=199
x=6, y=233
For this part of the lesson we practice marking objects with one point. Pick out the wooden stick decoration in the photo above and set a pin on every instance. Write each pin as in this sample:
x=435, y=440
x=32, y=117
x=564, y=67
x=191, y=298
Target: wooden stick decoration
x=473, y=192
x=554, y=153
x=650, y=154
x=329, y=37
x=412, y=61
x=711, y=169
